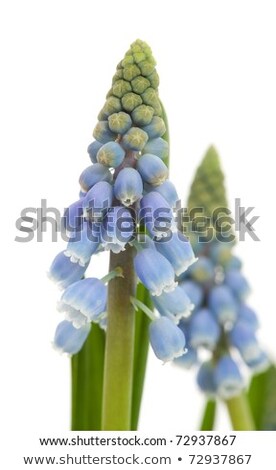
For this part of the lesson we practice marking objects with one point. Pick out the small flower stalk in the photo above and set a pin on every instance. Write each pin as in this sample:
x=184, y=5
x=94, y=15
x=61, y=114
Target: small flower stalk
x=125, y=206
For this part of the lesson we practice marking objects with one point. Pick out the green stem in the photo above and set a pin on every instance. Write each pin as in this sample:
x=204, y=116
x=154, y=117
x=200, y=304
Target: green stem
x=140, y=354
x=209, y=415
x=87, y=383
x=118, y=369
x=240, y=413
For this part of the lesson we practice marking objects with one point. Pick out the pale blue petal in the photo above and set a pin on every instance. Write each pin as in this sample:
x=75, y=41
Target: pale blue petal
x=68, y=339
x=154, y=271
x=84, y=301
x=228, y=379
x=93, y=174
x=156, y=214
x=166, y=339
x=204, y=330
x=63, y=272
x=175, y=304
x=128, y=187
x=178, y=251
x=223, y=304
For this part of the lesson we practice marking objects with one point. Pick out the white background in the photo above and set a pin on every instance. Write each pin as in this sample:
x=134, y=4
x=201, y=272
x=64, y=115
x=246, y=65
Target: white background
x=216, y=60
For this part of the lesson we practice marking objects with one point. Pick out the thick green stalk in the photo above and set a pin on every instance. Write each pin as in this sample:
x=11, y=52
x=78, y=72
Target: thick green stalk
x=87, y=383
x=240, y=413
x=119, y=352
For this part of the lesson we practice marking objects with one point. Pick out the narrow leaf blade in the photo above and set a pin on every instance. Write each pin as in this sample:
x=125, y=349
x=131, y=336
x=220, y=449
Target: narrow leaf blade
x=209, y=416
x=87, y=383
x=262, y=399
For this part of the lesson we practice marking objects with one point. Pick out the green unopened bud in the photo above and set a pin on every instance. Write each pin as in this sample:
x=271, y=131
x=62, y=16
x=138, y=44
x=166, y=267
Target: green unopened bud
x=146, y=68
x=130, y=101
x=139, y=57
x=120, y=88
x=118, y=75
x=137, y=46
x=131, y=71
x=119, y=122
x=135, y=139
x=128, y=59
x=154, y=79
x=150, y=96
x=142, y=115
x=112, y=105
x=140, y=84
x=156, y=128
x=102, y=133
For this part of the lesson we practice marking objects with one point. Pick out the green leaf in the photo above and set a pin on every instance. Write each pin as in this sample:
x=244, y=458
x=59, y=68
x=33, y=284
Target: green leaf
x=262, y=399
x=209, y=416
x=87, y=382
x=141, y=347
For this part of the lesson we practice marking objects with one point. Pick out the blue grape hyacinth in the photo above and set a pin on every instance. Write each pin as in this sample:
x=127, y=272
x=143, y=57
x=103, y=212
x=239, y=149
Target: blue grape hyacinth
x=221, y=332
x=124, y=195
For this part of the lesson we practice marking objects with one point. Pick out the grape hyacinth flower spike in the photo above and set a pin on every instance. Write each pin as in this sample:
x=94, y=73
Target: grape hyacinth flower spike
x=222, y=326
x=125, y=196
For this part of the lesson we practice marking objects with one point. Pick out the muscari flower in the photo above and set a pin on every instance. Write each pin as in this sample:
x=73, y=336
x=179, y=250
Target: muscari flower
x=158, y=147
x=203, y=270
x=204, y=330
x=152, y=169
x=187, y=360
x=227, y=378
x=63, y=272
x=111, y=154
x=222, y=303
x=154, y=271
x=168, y=191
x=117, y=229
x=244, y=339
x=194, y=291
x=93, y=149
x=206, y=378
x=72, y=218
x=83, y=244
x=98, y=200
x=178, y=251
x=126, y=184
x=94, y=174
x=237, y=283
x=175, y=304
x=156, y=214
x=83, y=301
x=69, y=339
x=248, y=316
x=166, y=339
